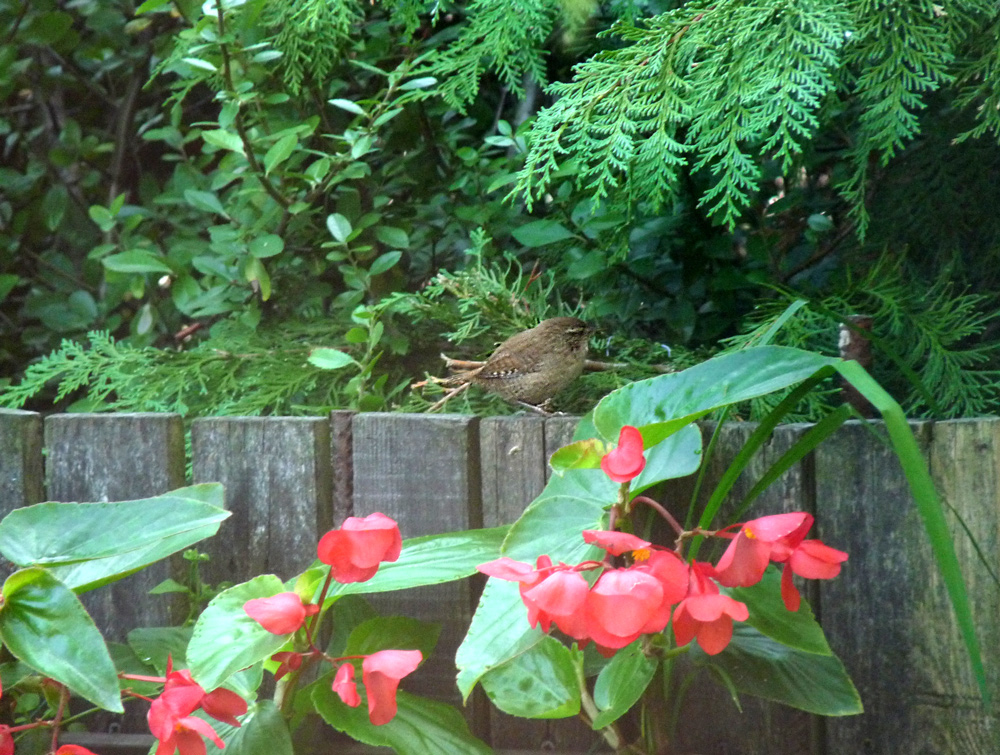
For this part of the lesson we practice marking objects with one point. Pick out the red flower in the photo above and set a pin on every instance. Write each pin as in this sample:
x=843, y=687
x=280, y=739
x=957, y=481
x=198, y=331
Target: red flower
x=770, y=538
x=616, y=543
x=73, y=750
x=558, y=597
x=288, y=662
x=626, y=461
x=622, y=603
x=705, y=614
x=812, y=560
x=6, y=740
x=170, y=719
x=283, y=613
x=343, y=685
x=359, y=546
x=381, y=673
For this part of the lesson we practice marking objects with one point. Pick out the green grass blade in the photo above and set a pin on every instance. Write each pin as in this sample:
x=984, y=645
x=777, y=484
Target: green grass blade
x=929, y=507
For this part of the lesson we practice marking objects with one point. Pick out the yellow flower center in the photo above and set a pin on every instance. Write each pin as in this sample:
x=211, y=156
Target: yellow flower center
x=642, y=554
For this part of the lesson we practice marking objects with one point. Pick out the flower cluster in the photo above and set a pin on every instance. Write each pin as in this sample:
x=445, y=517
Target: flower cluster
x=354, y=553
x=170, y=715
x=658, y=587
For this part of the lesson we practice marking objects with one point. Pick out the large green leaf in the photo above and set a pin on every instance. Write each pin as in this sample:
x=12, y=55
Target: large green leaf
x=392, y=632
x=89, y=545
x=421, y=726
x=760, y=666
x=44, y=624
x=264, y=731
x=688, y=395
x=621, y=683
x=541, y=682
x=431, y=560
x=225, y=639
x=768, y=615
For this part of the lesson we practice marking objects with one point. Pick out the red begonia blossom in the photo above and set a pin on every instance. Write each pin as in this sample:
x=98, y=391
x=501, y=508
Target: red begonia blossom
x=705, y=614
x=770, y=538
x=74, y=750
x=344, y=686
x=381, y=673
x=810, y=559
x=6, y=740
x=620, y=607
x=626, y=461
x=559, y=597
x=616, y=543
x=283, y=613
x=287, y=662
x=170, y=719
x=355, y=550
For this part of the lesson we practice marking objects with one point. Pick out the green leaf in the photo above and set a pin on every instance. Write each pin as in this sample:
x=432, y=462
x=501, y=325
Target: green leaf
x=7, y=283
x=200, y=63
x=44, y=624
x=150, y=5
x=136, y=261
x=339, y=226
x=392, y=632
x=621, y=683
x=280, y=151
x=583, y=454
x=225, y=639
x=929, y=507
x=224, y=140
x=88, y=545
x=267, y=245
x=264, y=731
x=153, y=645
x=54, y=206
x=769, y=616
x=432, y=560
x=765, y=668
x=348, y=105
x=330, y=359
x=421, y=83
x=538, y=683
x=205, y=201
x=102, y=217
x=421, y=726
x=541, y=232
x=384, y=262
x=392, y=236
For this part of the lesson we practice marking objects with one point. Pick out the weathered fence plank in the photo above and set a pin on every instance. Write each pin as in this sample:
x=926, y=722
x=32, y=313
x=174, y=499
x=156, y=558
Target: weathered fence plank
x=709, y=721
x=342, y=463
x=277, y=479
x=117, y=457
x=423, y=471
x=21, y=473
x=886, y=615
x=515, y=453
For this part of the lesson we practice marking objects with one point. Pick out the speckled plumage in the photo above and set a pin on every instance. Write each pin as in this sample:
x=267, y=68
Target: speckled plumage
x=534, y=365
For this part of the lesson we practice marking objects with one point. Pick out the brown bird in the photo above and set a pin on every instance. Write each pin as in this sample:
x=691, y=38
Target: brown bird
x=532, y=366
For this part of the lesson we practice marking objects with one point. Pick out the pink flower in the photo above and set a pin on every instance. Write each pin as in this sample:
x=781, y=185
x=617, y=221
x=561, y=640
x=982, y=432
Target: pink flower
x=73, y=750
x=770, y=538
x=616, y=543
x=705, y=614
x=283, y=613
x=626, y=461
x=812, y=560
x=359, y=546
x=381, y=673
x=620, y=606
x=288, y=662
x=344, y=686
x=6, y=740
x=558, y=597
x=170, y=719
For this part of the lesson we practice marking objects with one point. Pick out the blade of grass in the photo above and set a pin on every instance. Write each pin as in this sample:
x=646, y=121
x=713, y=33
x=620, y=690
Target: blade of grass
x=929, y=507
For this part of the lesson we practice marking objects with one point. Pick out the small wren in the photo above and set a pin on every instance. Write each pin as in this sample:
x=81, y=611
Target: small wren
x=532, y=366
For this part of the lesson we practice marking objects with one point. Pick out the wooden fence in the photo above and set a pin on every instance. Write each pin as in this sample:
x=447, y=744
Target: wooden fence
x=288, y=480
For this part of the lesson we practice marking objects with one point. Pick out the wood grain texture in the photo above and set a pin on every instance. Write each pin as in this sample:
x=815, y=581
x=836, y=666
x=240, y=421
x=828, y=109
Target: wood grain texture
x=117, y=457
x=423, y=471
x=710, y=722
x=873, y=612
x=277, y=478
x=515, y=468
x=342, y=463
x=22, y=479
